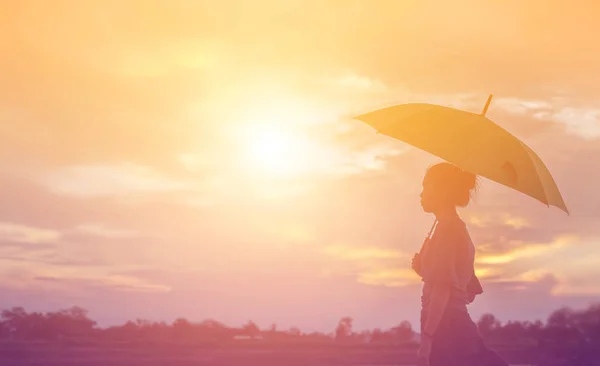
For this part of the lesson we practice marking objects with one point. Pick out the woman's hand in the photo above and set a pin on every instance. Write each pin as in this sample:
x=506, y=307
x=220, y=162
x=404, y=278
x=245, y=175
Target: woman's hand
x=416, y=264
x=424, y=351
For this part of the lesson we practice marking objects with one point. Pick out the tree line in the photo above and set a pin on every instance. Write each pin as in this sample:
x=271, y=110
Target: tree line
x=566, y=331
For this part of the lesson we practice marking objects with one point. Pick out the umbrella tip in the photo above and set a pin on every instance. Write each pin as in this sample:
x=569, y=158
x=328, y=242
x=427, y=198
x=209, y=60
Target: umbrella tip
x=487, y=105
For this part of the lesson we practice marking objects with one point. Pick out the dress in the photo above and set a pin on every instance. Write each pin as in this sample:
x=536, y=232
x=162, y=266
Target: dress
x=447, y=258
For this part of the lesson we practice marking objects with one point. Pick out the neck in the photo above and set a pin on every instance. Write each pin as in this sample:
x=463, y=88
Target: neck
x=447, y=213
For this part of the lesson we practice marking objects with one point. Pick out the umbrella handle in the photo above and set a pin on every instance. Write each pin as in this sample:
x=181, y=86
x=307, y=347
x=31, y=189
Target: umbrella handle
x=487, y=105
x=428, y=237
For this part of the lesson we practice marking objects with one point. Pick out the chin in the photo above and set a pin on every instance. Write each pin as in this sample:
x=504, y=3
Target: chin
x=426, y=209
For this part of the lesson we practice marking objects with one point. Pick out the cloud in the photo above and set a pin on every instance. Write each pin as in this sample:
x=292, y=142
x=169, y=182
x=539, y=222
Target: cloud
x=570, y=289
x=352, y=81
x=566, y=260
x=112, y=282
x=287, y=231
x=388, y=277
x=369, y=265
x=12, y=232
x=51, y=258
x=117, y=180
x=204, y=55
x=345, y=252
x=102, y=230
x=580, y=119
x=487, y=273
x=521, y=250
x=584, y=122
x=483, y=220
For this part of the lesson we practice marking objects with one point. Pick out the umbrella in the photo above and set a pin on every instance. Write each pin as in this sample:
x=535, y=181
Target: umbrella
x=472, y=142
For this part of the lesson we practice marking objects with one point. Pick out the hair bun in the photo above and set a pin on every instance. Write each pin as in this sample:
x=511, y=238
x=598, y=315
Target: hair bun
x=469, y=180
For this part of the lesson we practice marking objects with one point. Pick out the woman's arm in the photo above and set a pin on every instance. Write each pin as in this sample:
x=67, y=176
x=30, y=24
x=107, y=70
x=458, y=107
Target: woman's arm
x=440, y=296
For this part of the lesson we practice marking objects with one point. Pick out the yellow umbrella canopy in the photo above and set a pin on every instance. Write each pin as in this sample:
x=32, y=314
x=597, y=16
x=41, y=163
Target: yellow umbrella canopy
x=472, y=142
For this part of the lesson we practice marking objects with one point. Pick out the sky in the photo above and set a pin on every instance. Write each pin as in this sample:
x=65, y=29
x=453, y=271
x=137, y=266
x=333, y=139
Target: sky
x=198, y=159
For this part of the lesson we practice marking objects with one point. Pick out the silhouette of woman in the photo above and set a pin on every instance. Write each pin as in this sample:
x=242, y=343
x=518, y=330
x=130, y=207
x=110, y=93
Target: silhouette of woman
x=449, y=337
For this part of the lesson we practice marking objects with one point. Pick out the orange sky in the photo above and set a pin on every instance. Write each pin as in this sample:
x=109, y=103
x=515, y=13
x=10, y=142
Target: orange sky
x=197, y=159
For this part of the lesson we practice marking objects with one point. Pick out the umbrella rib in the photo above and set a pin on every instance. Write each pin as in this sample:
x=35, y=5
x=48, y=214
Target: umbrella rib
x=535, y=166
x=422, y=111
x=526, y=148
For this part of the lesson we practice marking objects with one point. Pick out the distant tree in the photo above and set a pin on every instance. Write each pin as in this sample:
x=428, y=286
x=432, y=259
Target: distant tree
x=561, y=318
x=512, y=331
x=143, y=323
x=403, y=332
x=588, y=322
x=487, y=324
x=344, y=328
x=295, y=331
x=535, y=327
x=182, y=328
x=181, y=323
x=377, y=335
x=250, y=329
x=15, y=321
x=564, y=337
x=212, y=324
x=211, y=329
x=71, y=322
x=364, y=336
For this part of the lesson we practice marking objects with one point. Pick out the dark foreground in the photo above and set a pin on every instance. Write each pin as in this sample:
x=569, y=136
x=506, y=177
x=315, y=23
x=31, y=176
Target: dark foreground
x=57, y=354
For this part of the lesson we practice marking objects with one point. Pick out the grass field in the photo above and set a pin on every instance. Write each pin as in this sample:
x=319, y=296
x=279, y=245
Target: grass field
x=49, y=354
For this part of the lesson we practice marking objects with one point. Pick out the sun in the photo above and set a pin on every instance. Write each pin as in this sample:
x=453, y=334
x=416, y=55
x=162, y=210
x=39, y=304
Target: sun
x=279, y=137
x=276, y=152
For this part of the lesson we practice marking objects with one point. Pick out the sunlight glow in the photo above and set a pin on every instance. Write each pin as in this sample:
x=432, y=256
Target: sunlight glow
x=277, y=144
x=274, y=136
x=276, y=152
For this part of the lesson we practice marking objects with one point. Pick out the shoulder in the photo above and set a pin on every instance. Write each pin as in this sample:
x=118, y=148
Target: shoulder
x=453, y=226
x=454, y=233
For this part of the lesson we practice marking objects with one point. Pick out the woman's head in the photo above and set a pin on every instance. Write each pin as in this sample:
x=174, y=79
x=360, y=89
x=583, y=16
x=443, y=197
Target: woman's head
x=446, y=186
